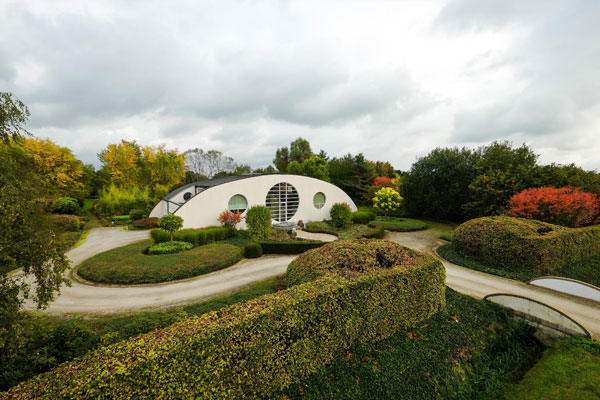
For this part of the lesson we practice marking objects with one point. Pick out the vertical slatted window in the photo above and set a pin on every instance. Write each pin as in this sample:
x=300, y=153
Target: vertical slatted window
x=283, y=201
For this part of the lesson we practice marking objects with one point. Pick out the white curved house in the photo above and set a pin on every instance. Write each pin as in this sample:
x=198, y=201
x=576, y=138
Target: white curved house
x=291, y=198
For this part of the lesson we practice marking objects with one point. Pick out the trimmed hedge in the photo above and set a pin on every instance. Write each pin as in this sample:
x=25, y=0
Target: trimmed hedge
x=376, y=232
x=66, y=205
x=320, y=227
x=197, y=237
x=65, y=222
x=253, y=348
x=253, y=250
x=399, y=224
x=516, y=243
x=137, y=214
x=289, y=246
x=363, y=217
x=169, y=247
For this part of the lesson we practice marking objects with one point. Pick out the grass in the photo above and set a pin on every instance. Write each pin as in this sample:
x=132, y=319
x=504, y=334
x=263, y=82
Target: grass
x=472, y=350
x=585, y=271
x=354, y=231
x=400, y=224
x=569, y=370
x=49, y=340
x=447, y=235
x=128, y=265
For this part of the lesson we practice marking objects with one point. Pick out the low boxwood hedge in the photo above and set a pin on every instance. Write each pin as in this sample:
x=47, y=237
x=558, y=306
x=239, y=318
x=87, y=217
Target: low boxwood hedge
x=253, y=250
x=516, y=243
x=399, y=224
x=289, y=246
x=251, y=349
x=169, y=248
x=363, y=217
x=197, y=237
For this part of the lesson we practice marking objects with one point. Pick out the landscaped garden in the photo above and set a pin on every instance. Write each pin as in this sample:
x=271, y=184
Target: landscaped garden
x=129, y=265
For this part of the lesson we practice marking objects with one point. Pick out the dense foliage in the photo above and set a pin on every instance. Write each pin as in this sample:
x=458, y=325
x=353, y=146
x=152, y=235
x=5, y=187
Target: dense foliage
x=353, y=174
x=129, y=265
x=253, y=348
x=137, y=214
x=521, y=244
x=315, y=167
x=258, y=221
x=341, y=215
x=387, y=201
x=116, y=200
x=562, y=206
x=197, y=237
x=169, y=247
x=253, y=250
x=146, y=223
x=170, y=223
x=66, y=205
x=363, y=217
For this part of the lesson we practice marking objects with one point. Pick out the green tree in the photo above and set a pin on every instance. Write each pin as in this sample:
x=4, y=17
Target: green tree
x=502, y=171
x=13, y=115
x=437, y=185
x=315, y=167
x=557, y=175
x=282, y=159
x=26, y=239
x=170, y=223
x=353, y=174
x=300, y=150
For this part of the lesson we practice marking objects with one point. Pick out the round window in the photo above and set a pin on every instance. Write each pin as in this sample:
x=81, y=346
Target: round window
x=319, y=200
x=283, y=201
x=187, y=196
x=237, y=203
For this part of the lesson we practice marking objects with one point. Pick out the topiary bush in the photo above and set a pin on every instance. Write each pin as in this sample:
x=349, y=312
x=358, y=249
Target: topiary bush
x=362, y=217
x=258, y=221
x=516, y=243
x=146, y=223
x=253, y=250
x=169, y=247
x=341, y=215
x=137, y=214
x=69, y=223
x=66, y=205
x=170, y=223
x=346, y=294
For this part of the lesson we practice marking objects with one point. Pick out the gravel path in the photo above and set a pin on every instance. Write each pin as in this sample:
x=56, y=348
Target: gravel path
x=480, y=284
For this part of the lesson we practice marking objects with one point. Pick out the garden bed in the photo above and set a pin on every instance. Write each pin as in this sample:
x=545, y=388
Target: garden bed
x=128, y=265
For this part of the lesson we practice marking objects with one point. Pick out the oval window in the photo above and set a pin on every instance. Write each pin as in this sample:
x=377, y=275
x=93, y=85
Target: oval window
x=319, y=200
x=238, y=204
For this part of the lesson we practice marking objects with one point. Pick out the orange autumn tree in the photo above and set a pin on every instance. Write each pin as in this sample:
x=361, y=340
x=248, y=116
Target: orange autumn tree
x=563, y=206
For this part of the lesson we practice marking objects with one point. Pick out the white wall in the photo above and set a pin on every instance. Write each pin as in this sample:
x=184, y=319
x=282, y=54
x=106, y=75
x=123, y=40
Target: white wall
x=204, y=209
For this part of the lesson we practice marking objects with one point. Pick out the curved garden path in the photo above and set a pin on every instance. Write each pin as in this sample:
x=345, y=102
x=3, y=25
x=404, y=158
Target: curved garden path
x=480, y=284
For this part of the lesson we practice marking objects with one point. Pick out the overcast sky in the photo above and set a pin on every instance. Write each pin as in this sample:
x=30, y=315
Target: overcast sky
x=391, y=79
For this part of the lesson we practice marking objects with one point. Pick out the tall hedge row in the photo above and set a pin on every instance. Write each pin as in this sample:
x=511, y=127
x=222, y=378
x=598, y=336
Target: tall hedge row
x=517, y=243
x=250, y=349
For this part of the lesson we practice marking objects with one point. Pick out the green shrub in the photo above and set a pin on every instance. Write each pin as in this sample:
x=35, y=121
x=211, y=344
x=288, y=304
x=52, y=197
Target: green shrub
x=320, y=227
x=376, y=232
x=114, y=199
x=137, y=214
x=387, y=201
x=399, y=224
x=515, y=243
x=253, y=348
x=69, y=223
x=170, y=223
x=289, y=246
x=197, y=237
x=169, y=247
x=66, y=205
x=341, y=215
x=362, y=217
x=258, y=221
x=253, y=250
x=121, y=219
x=146, y=223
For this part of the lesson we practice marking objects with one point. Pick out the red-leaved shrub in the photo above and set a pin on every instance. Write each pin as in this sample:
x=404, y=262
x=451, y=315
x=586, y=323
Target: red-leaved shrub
x=563, y=206
x=230, y=219
x=382, y=181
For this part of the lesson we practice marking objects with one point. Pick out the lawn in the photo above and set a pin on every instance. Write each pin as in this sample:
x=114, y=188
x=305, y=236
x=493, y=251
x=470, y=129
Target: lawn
x=354, y=231
x=473, y=350
x=569, y=370
x=128, y=265
x=48, y=340
x=399, y=224
x=585, y=271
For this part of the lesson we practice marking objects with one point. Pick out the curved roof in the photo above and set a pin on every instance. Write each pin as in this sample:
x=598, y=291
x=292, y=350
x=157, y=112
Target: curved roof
x=208, y=183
